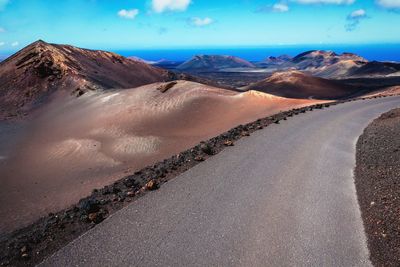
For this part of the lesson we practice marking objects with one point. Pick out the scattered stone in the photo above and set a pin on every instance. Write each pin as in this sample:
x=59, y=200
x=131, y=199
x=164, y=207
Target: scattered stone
x=24, y=249
x=207, y=149
x=152, y=185
x=78, y=92
x=199, y=158
x=228, y=143
x=245, y=133
x=165, y=87
x=97, y=217
x=92, y=217
x=89, y=205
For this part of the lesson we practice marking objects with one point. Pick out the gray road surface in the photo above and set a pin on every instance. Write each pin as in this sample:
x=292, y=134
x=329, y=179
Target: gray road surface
x=283, y=197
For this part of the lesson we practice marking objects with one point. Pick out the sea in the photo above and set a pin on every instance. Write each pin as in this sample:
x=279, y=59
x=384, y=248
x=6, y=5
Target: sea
x=378, y=52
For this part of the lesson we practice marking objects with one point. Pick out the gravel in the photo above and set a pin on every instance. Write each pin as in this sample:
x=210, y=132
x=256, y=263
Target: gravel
x=377, y=178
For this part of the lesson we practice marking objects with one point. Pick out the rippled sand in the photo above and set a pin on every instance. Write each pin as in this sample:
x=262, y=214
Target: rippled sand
x=72, y=146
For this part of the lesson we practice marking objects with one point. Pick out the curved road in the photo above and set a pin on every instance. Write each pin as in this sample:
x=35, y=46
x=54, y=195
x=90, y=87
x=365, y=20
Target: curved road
x=283, y=197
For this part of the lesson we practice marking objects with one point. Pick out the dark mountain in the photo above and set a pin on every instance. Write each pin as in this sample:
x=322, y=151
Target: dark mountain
x=376, y=68
x=213, y=63
x=280, y=61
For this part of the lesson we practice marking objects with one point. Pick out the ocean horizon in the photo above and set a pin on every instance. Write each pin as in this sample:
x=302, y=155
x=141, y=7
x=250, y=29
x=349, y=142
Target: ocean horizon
x=378, y=52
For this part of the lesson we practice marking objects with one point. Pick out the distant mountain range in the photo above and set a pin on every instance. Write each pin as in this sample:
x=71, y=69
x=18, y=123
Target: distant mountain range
x=325, y=64
x=42, y=71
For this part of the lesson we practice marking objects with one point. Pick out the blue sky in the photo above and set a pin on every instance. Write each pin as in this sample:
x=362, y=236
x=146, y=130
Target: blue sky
x=138, y=24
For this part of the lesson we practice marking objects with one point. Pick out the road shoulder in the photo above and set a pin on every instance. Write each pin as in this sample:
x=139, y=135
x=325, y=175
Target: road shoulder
x=377, y=178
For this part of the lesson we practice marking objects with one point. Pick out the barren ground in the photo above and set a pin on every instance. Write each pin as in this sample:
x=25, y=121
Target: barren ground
x=378, y=186
x=71, y=147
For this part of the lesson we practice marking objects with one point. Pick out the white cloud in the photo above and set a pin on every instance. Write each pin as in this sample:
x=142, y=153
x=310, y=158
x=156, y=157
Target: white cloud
x=389, y=3
x=199, y=22
x=2, y=29
x=280, y=7
x=128, y=14
x=160, y=6
x=2, y=43
x=15, y=44
x=358, y=14
x=354, y=19
x=333, y=2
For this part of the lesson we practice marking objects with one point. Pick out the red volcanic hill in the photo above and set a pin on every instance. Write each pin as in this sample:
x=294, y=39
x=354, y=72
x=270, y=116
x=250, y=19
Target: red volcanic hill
x=30, y=76
x=214, y=63
x=296, y=84
x=328, y=64
x=321, y=58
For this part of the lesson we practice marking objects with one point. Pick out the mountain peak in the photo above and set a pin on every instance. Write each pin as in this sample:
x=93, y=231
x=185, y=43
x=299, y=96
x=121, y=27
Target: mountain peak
x=40, y=41
x=37, y=44
x=32, y=74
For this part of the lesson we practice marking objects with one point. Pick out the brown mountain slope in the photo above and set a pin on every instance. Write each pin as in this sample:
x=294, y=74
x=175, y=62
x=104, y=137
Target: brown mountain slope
x=31, y=75
x=321, y=58
x=295, y=84
x=328, y=64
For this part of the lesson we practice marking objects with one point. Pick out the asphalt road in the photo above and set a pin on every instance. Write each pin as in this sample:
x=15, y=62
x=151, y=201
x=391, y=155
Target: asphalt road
x=283, y=197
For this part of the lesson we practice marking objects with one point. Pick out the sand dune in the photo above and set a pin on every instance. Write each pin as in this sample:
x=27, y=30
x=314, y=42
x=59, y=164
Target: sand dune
x=71, y=147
